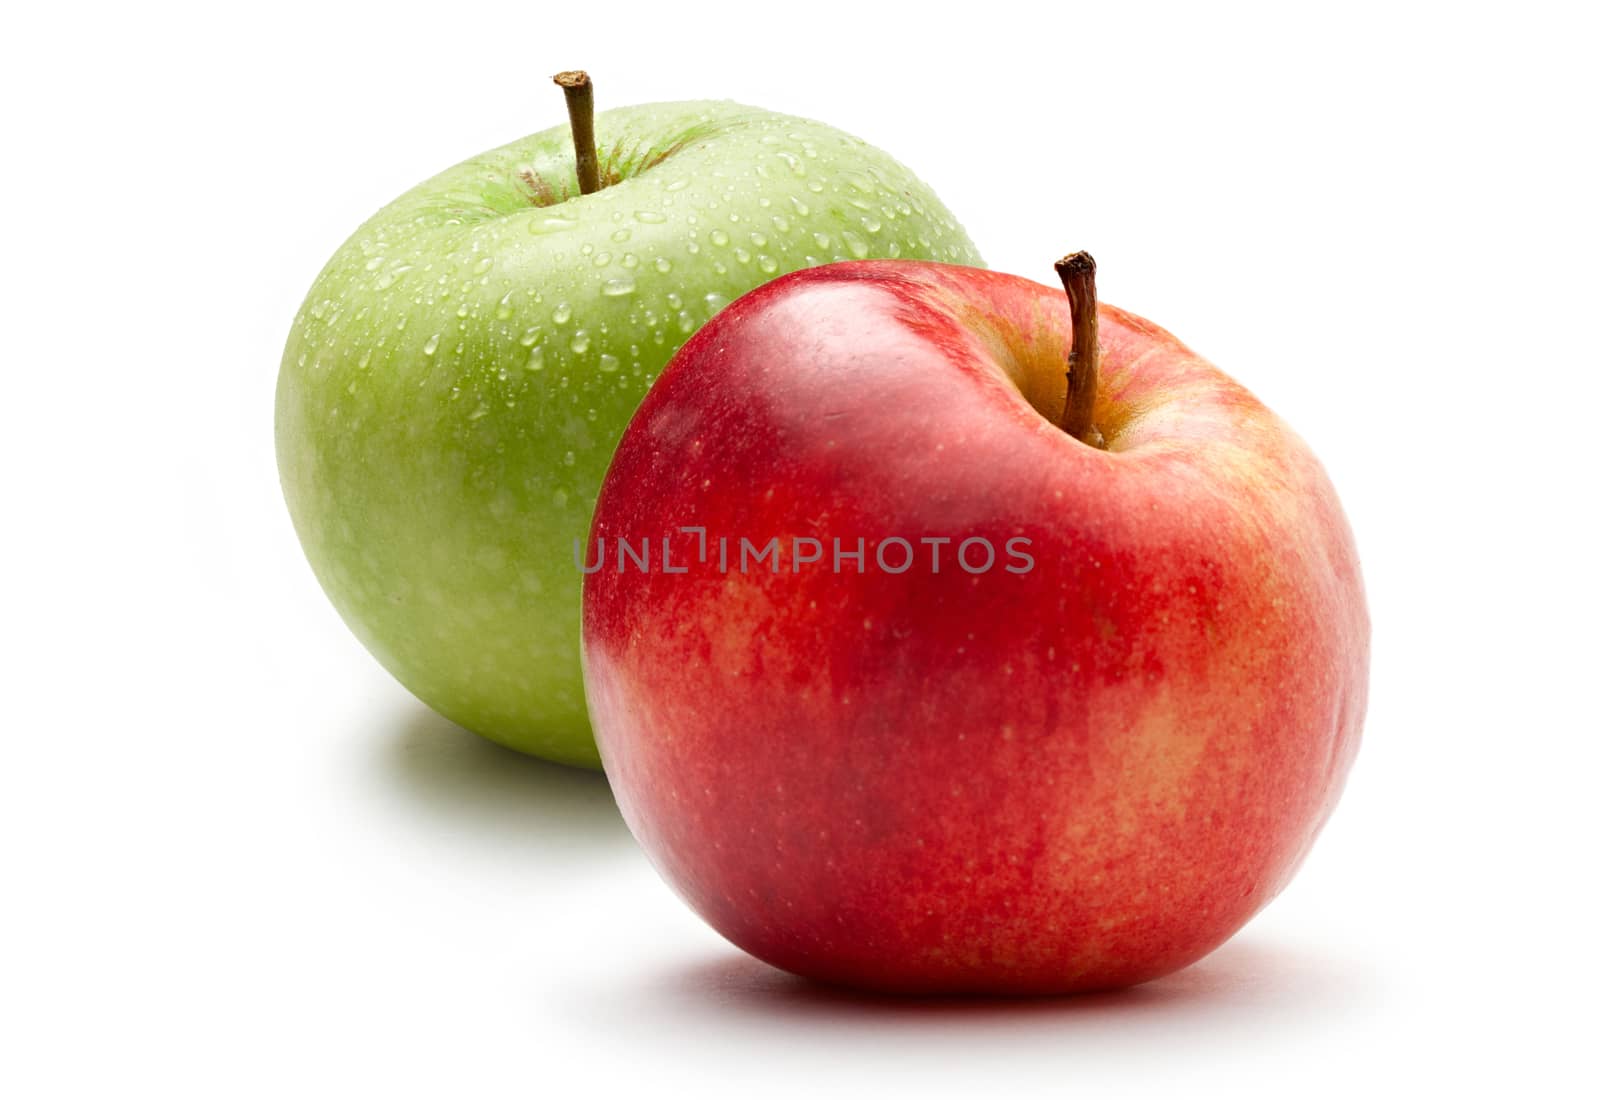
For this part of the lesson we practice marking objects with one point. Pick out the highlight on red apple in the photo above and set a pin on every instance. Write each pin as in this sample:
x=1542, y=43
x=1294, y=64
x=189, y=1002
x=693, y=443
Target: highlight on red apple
x=945, y=632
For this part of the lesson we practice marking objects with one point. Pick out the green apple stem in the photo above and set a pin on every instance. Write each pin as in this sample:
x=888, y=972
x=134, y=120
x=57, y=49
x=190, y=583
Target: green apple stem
x=579, y=90
x=1083, y=364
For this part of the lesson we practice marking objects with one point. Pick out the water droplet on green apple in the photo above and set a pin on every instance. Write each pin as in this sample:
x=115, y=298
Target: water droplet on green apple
x=432, y=345
x=616, y=288
x=651, y=217
x=715, y=302
x=536, y=358
x=621, y=235
x=858, y=181
x=561, y=314
x=677, y=185
x=503, y=310
x=719, y=237
x=580, y=341
x=609, y=363
x=663, y=264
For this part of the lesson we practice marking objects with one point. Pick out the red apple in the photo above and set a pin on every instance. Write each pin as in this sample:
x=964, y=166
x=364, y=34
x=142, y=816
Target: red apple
x=1082, y=767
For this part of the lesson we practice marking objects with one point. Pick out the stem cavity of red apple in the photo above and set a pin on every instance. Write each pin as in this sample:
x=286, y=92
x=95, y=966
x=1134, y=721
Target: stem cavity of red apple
x=1083, y=363
x=579, y=90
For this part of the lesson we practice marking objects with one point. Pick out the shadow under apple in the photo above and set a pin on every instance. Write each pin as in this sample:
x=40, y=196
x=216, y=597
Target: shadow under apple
x=1248, y=986
x=468, y=783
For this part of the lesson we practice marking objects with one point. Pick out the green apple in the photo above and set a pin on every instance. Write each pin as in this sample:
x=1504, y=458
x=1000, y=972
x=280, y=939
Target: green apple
x=462, y=368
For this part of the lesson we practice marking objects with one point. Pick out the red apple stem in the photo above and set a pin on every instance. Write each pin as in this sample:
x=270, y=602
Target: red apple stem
x=579, y=90
x=1083, y=363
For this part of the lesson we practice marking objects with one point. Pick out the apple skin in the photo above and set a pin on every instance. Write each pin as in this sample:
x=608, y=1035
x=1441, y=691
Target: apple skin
x=456, y=380
x=1079, y=777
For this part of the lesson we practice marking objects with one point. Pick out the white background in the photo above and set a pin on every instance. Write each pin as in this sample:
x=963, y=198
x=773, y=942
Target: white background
x=240, y=860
